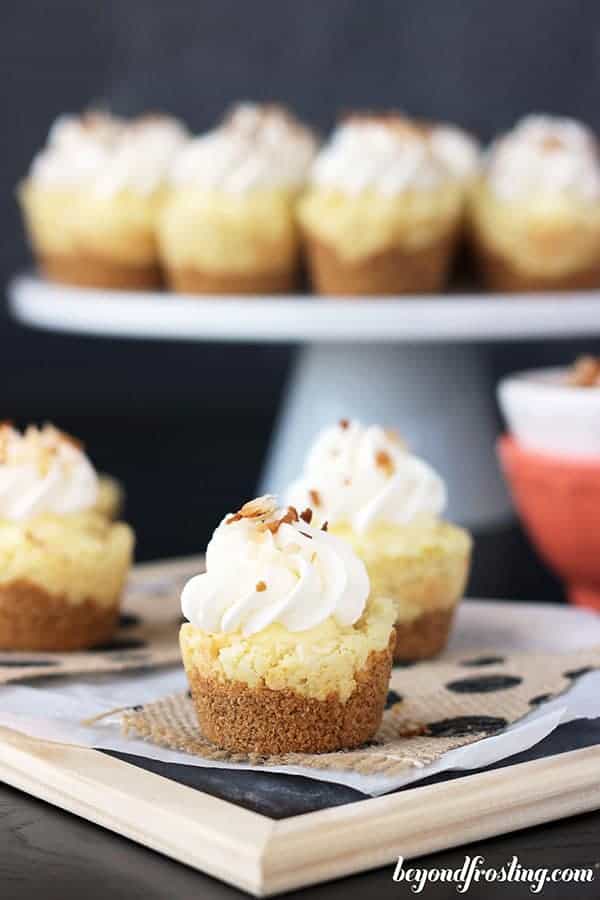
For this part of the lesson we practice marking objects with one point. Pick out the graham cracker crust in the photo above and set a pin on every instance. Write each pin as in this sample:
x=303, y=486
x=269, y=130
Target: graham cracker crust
x=500, y=274
x=33, y=619
x=197, y=281
x=259, y=720
x=423, y=637
x=393, y=271
x=87, y=270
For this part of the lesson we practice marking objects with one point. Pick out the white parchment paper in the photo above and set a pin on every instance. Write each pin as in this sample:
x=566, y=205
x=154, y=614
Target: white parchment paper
x=55, y=709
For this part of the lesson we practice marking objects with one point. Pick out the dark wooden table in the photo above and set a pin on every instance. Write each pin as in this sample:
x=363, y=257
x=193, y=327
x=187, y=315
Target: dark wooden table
x=47, y=853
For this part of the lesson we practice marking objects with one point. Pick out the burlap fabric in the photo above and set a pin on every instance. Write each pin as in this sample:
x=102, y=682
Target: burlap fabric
x=432, y=707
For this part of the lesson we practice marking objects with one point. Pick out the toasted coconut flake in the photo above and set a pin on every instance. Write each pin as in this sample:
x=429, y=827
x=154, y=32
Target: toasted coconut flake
x=290, y=516
x=236, y=517
x=384, y=461
x=258, y=508
x=306, y=515
x=325, y=526
x=315, y=497
x=261, y=586
x=344, y=424
x=585, y=372
x=552, y=143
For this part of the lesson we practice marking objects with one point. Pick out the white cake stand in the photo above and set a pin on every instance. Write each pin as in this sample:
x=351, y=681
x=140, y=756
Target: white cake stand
x=416, y=363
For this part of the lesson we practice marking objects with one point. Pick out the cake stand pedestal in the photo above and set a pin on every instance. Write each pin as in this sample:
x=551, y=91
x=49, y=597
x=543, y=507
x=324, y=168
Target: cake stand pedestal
x=419, y=364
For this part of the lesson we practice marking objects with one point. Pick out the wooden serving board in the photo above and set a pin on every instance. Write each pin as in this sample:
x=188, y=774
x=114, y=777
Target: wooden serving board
x=174, y=810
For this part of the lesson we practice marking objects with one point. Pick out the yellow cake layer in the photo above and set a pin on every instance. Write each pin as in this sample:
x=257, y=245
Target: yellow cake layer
x=422, y=566
x=249, y=232
x=315, y=663
x=77, y=556
x=358, y=226
x=546, y=235
x=119, y=227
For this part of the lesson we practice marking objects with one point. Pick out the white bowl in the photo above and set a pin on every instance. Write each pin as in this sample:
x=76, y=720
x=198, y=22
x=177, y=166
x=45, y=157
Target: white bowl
x=545, y=413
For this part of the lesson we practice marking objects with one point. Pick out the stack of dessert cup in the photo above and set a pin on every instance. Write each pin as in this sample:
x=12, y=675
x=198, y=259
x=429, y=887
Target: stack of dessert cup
x=551, y=458
x=383, y=207
x=293, y=627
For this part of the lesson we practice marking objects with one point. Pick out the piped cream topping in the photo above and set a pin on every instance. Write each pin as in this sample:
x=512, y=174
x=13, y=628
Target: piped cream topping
x=548, y=156
x=391, y=154
x=265, y=565
x=43, y=470
x=363, y=475
x=256, y=147
x=108, y=154
x=457, y=150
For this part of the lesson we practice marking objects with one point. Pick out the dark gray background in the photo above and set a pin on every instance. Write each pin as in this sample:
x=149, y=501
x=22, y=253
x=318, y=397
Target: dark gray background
x=186, y=426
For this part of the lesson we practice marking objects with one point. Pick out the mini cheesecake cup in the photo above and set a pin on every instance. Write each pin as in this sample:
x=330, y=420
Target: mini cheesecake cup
x=424, y=570
x=61, y=581
x=279, y=692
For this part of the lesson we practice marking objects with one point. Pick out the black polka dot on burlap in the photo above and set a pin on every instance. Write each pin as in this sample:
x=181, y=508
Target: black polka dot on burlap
x=541, y=698
x=128, y=620
x=393, y=697
x=464, y=725
x=483, y=684
x=118, y=645
x=483, y=661
x=577, y=673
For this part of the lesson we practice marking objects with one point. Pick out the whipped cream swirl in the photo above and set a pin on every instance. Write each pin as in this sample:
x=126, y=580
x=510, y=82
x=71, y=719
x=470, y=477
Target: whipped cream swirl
x=391, y=154
x=266, y=566
x=255, y=147
x=457, y=150
x=364, y=475
x=107, y=153
x=43, y=471
x=545, y=155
